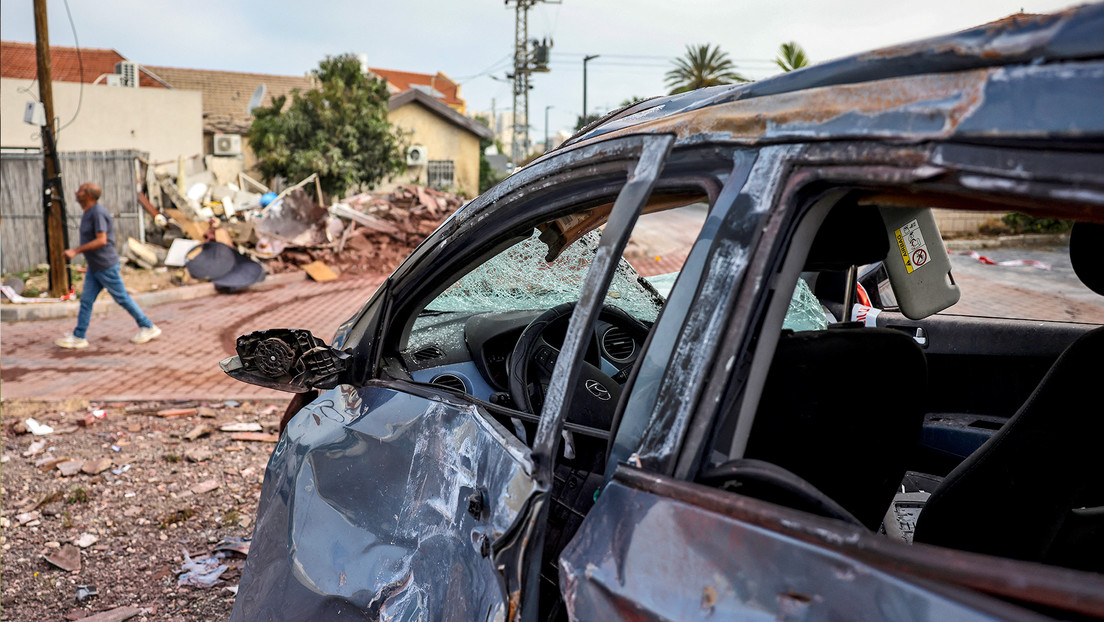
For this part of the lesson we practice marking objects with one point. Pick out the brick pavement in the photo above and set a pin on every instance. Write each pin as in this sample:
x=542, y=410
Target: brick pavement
x=183, y=362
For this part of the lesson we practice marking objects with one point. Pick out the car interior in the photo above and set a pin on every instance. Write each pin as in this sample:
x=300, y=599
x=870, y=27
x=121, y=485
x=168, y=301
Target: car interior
x=969, y=433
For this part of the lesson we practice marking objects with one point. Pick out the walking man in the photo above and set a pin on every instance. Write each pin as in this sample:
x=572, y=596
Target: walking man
x=97, y=242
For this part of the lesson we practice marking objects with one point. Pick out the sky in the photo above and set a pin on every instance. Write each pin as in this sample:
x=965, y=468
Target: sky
x=472, y=41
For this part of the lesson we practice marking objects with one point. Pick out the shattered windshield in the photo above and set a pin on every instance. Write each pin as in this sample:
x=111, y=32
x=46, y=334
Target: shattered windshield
x=519, y=278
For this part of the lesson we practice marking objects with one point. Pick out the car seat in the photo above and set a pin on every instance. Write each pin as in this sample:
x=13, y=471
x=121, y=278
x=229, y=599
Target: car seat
x=1034, y=491
x=842, y=409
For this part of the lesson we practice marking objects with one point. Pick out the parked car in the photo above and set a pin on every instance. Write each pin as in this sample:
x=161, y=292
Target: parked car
x=516, y=425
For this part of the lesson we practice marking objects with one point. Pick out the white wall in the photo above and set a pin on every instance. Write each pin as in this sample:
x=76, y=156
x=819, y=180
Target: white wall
x=167, y=123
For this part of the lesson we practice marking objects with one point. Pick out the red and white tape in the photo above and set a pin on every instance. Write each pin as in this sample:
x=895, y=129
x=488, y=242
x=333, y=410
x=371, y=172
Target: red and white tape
x=1011, y=262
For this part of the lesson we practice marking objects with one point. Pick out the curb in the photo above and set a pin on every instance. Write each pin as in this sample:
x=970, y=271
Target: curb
x=56, y=310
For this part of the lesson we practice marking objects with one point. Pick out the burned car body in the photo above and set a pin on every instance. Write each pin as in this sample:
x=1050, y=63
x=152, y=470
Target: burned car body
x=474, y=444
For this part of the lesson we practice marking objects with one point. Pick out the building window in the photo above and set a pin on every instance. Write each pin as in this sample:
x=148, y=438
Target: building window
x=439, y=174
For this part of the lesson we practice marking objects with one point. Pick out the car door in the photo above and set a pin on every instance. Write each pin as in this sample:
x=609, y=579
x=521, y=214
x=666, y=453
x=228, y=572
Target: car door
x=657, y=545
x=392, y=499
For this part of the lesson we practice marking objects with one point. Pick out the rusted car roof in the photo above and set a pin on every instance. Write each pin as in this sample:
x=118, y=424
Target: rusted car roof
x=927, y=89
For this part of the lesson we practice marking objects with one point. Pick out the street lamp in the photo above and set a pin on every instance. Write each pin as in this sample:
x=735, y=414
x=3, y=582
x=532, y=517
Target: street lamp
x=585, y=60
x=546, y=127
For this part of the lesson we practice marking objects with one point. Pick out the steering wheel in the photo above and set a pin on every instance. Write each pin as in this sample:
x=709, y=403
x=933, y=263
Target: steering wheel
x=533, y=359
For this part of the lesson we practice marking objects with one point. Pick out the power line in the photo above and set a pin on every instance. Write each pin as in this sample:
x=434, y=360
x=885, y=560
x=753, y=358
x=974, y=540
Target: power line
x=80, y=64
x=490, y=69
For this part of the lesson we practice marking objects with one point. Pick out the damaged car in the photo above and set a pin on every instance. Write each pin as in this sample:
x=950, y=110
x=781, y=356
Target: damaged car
x=794, y=424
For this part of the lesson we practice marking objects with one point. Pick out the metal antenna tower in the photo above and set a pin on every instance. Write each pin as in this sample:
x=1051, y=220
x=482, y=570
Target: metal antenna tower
x=525, y=63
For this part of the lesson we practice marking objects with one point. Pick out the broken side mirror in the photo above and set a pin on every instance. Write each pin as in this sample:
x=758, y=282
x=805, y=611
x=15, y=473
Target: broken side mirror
x=287, y=360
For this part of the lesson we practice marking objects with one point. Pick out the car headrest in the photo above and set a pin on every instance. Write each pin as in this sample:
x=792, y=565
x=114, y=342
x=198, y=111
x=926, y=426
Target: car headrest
x=1085, y=244
x=851, y=235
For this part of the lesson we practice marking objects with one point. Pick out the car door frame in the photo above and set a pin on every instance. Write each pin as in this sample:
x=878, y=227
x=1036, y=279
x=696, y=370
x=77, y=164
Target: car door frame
x=681, y=431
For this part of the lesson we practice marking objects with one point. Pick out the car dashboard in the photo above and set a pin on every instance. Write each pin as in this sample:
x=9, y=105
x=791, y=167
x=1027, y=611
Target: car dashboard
x=470, y=352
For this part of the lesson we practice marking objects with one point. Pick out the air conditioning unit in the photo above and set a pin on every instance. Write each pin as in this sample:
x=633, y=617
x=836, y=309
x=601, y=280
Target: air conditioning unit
x=417, y=155
x=227, y=144
x=114, y=79
x=128, y=72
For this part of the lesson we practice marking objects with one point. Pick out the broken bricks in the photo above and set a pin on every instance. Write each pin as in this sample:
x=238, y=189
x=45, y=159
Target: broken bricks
x=67, y=558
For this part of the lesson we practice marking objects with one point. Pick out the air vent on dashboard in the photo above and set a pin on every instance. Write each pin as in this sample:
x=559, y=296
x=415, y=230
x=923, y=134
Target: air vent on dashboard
x=427, y=353
x=618, y=344
x=449, y=381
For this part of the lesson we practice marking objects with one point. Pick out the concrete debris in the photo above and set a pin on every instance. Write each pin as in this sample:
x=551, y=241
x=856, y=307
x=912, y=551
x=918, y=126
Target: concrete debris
x=205, y=486
x=271, y=233
x=117, y=614
x=199, y=431
x=35, y=448
x=86, y=540
x=70, y=467
x=241, y=426
x=198, y=454
x=95, y=467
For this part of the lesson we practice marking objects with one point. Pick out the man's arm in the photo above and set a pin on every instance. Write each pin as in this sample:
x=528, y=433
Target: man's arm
x=97, y=242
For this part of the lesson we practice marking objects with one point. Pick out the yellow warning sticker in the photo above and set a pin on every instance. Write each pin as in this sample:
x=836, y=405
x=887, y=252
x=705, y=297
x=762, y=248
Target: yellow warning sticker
x=914, y=250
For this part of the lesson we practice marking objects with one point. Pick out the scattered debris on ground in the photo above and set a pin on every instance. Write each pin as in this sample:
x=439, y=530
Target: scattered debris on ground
x=99, y=524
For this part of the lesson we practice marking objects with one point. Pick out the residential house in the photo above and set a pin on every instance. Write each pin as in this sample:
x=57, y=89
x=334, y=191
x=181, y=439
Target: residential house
x=102, y=101
x=226, y=115
x=444, y=144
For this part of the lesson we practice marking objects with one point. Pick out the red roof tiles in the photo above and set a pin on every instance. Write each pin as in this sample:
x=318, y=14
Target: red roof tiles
x=17, y=60
x=404, y=80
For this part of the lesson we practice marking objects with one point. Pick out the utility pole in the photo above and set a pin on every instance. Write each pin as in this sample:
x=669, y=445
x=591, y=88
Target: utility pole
x=586, y=59
x=525, y=63
x=57, y=235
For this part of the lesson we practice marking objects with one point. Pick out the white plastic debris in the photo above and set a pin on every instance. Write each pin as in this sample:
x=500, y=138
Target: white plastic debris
x=38, y=429
x=201, y=572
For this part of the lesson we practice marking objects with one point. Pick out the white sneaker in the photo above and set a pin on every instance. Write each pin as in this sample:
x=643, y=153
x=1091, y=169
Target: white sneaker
x=71, y=342
x=146, y=334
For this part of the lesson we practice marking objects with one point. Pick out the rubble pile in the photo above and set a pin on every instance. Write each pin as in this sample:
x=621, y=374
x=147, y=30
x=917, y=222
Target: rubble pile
x=374, y=231
x=289, y=231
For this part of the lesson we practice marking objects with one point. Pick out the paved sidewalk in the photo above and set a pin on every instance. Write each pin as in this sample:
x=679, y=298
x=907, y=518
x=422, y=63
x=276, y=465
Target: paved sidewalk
x=183, y=362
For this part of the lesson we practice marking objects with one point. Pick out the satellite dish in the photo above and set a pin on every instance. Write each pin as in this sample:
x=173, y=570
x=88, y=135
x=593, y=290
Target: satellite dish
x=255, y=100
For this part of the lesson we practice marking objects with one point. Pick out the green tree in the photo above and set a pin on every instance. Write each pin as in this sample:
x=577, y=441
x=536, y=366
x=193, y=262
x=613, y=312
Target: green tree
x=487, y=176
x=581, y=121
x=338, y=130
x=703, y=65
x=791, y=56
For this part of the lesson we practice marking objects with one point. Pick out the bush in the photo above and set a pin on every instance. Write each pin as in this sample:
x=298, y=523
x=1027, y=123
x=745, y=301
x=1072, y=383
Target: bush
x=1022, y=223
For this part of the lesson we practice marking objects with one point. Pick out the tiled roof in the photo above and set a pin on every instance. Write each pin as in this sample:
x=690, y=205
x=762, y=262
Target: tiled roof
x=226, y=93
x=17, y=60
x=404, y=80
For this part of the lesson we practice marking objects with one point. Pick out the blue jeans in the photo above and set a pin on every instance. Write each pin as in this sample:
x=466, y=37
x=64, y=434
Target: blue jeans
x=112, y=281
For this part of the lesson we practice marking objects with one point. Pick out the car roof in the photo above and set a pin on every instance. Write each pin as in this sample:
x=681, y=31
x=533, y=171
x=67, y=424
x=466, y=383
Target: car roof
x=929, y=88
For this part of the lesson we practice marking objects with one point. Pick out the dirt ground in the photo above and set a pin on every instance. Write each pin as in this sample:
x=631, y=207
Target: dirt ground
x=144, y=496
x=137, y=280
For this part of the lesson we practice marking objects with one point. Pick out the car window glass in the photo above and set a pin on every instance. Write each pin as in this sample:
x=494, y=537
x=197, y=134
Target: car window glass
x=520, y=278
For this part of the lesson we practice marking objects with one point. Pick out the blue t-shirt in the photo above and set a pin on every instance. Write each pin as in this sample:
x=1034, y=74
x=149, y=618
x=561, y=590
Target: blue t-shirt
x=97, y=219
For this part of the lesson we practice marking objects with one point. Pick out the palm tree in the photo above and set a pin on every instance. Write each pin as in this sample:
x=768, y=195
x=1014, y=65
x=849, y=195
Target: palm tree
x=791, y=56
x=703, y=65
